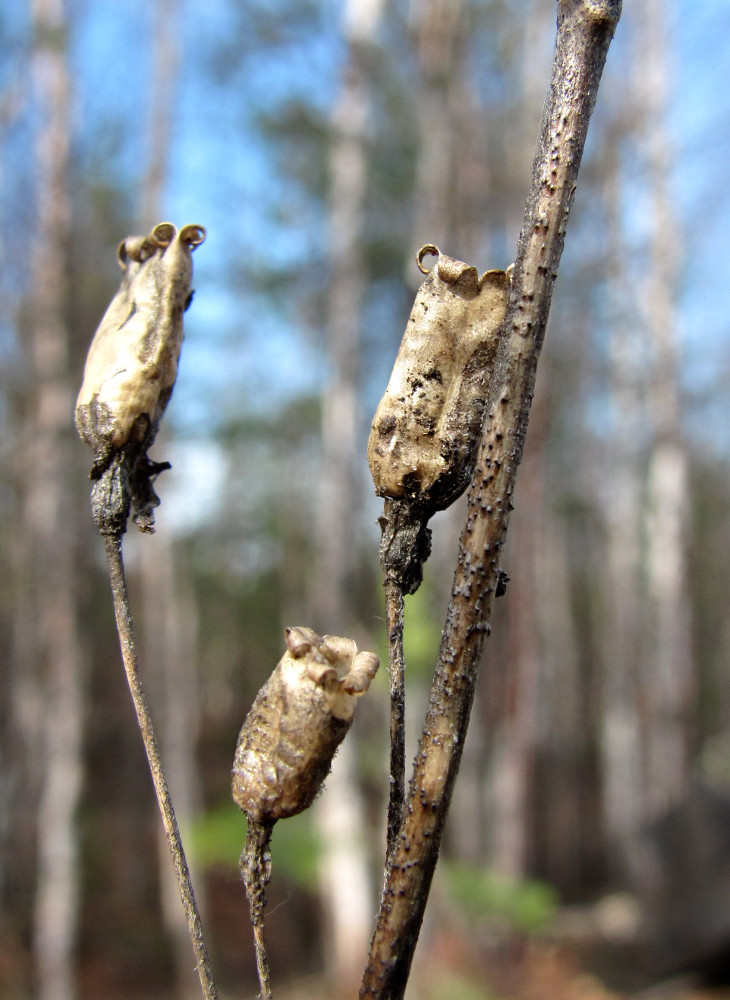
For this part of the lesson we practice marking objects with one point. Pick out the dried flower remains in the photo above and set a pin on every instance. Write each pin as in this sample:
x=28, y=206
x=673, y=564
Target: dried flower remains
x=299, y=718
x=426, y=427
x=285, y=750
x=132, y=364
x=423, y=434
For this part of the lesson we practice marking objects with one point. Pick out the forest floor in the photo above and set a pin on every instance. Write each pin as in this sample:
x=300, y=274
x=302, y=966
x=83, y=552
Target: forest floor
x=534, y=971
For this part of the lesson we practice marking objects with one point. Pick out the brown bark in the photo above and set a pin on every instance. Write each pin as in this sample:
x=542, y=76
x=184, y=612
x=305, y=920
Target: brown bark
x=585, y=30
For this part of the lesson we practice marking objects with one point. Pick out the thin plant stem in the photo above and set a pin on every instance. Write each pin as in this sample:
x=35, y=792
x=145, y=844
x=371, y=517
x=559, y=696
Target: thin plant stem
x=125, y=628
x=255, y=866
x=404, y=546
x=262, y=962
x=585, y=30
x=394, y=606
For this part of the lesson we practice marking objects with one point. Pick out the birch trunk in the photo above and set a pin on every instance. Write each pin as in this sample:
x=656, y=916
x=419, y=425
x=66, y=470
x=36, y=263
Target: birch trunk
x=437, y=27
x=517, y=731
x=621, y=730
x=449, y=175
x=647, y=685
x=668, y=680
x=514, y=740
x=169, y=623
x=48, y=525
x=561, y=820
x=344, y=875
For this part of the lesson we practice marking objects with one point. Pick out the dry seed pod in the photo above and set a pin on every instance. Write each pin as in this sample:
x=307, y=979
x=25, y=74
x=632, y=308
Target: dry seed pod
x=424, y=432
x=132, y=362
x=299, y=718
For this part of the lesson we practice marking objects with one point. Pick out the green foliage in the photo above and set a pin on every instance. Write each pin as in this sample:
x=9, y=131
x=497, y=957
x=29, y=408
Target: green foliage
x=295, y=849
x=422, y=632
x=526, y=906
x=456, y=987
x=216, y=839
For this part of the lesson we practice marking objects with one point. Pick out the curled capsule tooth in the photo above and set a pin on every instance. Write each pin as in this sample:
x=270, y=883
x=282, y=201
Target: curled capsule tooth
x=429, y=250
x=194, y=235
x=130, y=249
x=297, y=721
x=300, y=640
x=364, y=668
x=163, y=234
x=323, y=676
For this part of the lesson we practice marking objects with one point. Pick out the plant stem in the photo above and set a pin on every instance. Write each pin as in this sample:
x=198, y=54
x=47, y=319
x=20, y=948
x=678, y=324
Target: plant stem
x=394, y=605
x=255, y=866
x=404, y=547
x=125, y=628
x=585, y=30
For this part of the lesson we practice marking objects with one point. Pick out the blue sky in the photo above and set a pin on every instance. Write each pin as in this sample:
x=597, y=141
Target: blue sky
x=221, y=175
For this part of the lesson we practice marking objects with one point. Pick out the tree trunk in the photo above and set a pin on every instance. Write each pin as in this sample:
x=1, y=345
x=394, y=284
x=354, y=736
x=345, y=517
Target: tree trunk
x=437, y=28
x=668, y=681
x=344, y=877
x=648, y=678
x=513, y=741
x=447, y=174
x=621, y=729
x=168, y=619
x=169, y=635
x=48, y=526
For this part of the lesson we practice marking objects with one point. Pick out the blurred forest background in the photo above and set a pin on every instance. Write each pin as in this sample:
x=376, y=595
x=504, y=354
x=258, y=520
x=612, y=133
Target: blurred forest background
x=322, y=143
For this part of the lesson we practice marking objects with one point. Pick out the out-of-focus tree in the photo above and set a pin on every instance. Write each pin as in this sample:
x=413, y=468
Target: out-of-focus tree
x=345, y=881
x=49, y=653
x=168, y=616
x=603, y=589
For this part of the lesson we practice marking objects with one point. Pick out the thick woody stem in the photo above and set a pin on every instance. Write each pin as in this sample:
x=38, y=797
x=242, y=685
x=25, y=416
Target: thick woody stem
x=585, y=30
x=125, y=628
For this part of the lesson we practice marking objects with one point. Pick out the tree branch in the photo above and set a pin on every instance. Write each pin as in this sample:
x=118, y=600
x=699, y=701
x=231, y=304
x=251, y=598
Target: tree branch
x=585, y=30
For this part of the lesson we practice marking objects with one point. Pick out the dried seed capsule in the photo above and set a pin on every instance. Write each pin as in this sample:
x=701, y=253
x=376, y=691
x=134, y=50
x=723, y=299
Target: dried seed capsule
x=424, y=432
x=132, y=362
x=299, y=718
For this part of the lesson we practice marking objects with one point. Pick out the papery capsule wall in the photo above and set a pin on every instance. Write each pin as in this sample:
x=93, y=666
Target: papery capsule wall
x=425, y=427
